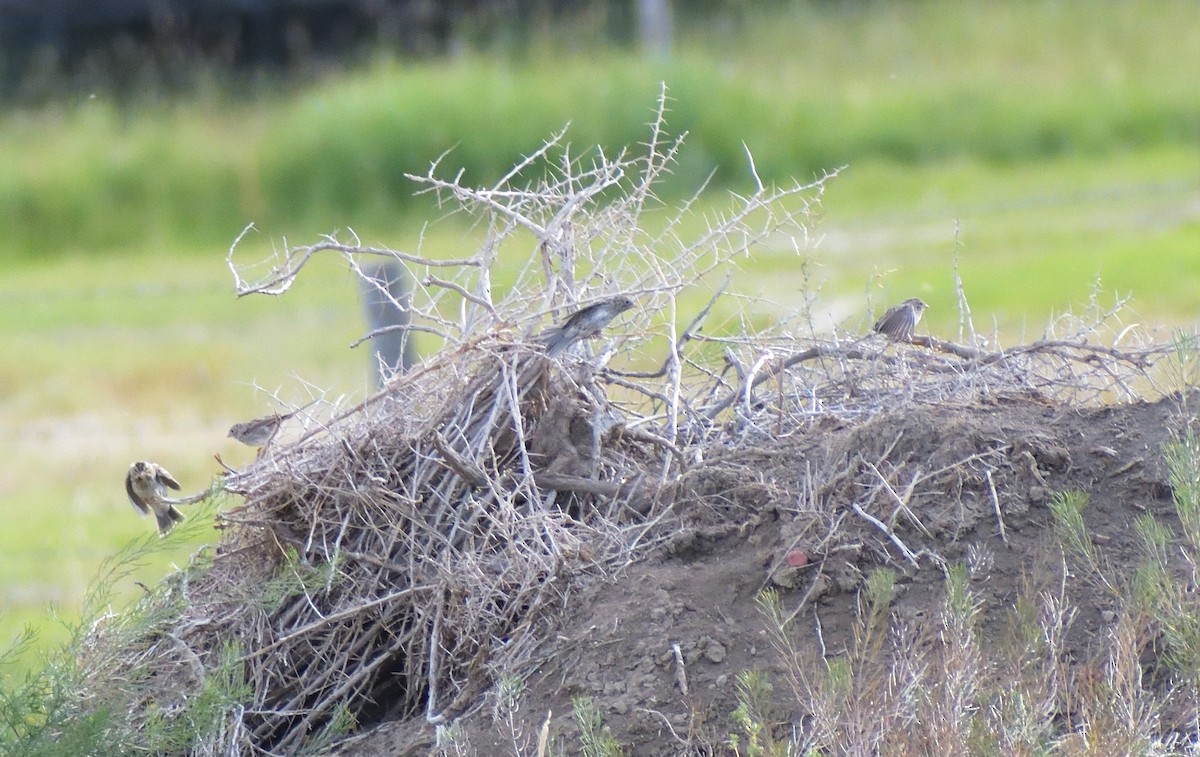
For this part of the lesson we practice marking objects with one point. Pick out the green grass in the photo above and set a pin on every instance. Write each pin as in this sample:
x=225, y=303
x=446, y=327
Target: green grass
x=144, y=357
x=901, y=83
x=1032, y=238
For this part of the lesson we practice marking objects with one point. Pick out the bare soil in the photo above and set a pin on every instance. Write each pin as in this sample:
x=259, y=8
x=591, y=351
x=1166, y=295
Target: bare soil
x=977, y=480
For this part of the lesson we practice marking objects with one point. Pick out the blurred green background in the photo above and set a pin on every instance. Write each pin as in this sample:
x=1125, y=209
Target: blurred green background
x=1060, y=138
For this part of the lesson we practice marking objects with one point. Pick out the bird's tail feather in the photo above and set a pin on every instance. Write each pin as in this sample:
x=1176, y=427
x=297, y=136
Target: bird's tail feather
x=168, y=518
x=555, y=340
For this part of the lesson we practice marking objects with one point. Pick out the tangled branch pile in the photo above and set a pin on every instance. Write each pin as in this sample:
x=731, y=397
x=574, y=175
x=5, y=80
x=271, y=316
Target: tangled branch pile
x=396, y=559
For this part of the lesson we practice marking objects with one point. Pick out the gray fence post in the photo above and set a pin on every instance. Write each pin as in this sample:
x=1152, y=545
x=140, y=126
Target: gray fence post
x=654, y=27
x=392, y=350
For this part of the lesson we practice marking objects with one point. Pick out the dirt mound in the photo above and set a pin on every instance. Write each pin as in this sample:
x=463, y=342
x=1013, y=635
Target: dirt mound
x=659, y=648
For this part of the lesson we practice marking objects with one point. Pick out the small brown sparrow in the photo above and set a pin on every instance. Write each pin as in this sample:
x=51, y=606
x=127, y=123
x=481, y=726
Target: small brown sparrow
x=260, y=431
x=147, y=484
x=899, y=321
x=584, y=324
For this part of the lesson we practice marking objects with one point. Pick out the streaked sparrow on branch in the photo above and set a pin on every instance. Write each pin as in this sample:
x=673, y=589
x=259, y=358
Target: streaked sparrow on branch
x=584, y=324
x=258, y=432
x=899, y=321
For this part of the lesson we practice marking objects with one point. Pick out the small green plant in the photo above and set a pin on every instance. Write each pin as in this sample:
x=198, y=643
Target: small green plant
x=506, y=709
x=38, y=717
x=1067, y=510
x=1183, y=369
x=40, y=711
x=847, y=693
x=753, y=715
x=295, y=577
x=1158, y=598
x=173, y=732
x=1183, y=466
x=1163, y=586
x=595, y=740
x=44, y=713
x=342, y=722
x=954, y=698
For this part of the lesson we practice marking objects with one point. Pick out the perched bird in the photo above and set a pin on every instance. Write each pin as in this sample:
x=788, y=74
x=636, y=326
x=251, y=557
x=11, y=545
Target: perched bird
x=899, y=321
x=258, y=432
x=147, y=484
x=584, y=324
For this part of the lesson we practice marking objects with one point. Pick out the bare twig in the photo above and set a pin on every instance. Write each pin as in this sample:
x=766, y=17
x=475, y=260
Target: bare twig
x=904, y=550
x=996, y=504
x=680, y=669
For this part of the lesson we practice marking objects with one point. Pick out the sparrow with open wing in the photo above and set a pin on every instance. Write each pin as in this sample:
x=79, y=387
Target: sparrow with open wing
x=584, y=324
x=899, y=321
x=146, y=484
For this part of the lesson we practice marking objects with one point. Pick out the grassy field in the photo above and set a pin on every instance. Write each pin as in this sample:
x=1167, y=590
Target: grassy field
x=905, y=83
x=1061, y=139
x=141, y=357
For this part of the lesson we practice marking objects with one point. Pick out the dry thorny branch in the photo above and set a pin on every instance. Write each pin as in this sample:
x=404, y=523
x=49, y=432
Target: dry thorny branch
x=414, y=541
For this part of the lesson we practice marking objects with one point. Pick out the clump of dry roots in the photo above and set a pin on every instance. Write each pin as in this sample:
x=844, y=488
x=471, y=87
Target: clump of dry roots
x=394, y=560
